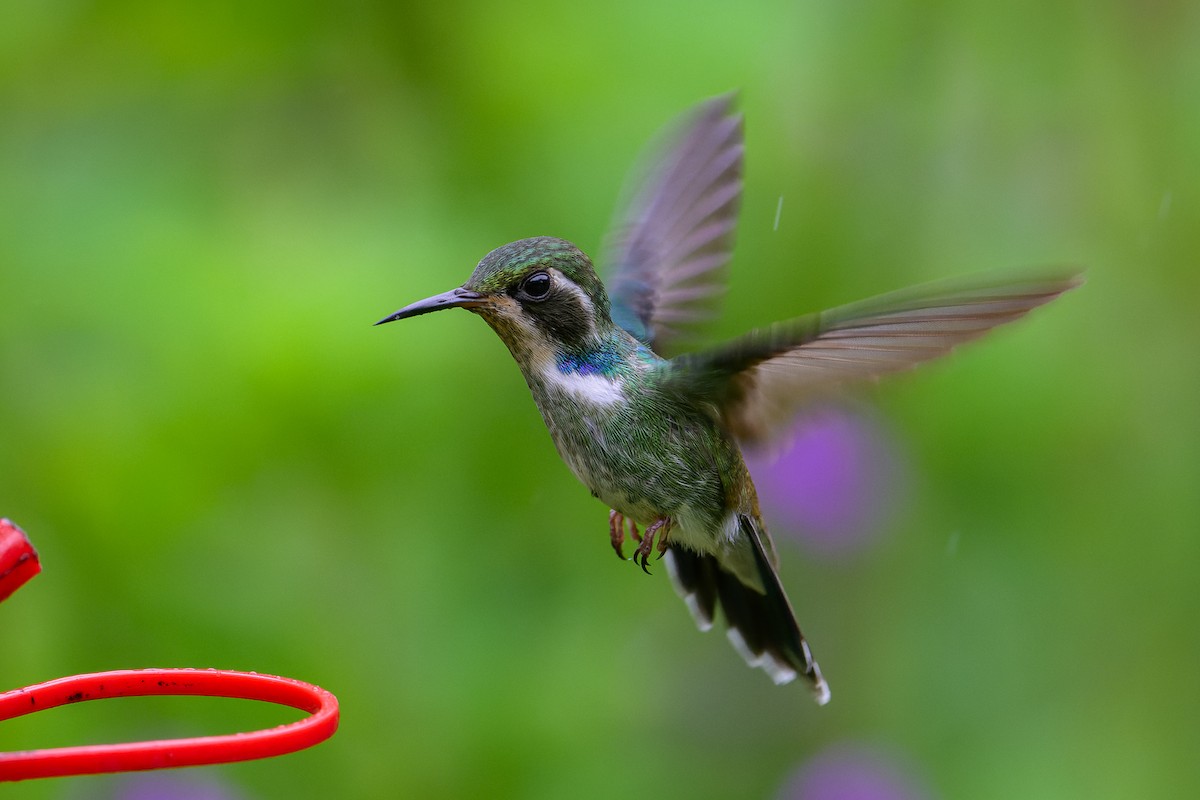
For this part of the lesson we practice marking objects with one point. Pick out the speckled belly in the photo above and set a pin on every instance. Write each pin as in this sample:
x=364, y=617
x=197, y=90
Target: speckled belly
x=646, y=464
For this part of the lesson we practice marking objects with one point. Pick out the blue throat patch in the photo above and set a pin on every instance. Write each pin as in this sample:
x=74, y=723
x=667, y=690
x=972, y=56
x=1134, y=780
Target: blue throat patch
x=603, y=361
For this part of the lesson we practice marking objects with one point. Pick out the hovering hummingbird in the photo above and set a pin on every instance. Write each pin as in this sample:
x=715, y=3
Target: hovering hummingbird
x=657, y=439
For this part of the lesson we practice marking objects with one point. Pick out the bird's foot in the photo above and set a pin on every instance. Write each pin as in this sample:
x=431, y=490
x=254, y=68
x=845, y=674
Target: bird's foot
x=616, y=531
x=660, y=526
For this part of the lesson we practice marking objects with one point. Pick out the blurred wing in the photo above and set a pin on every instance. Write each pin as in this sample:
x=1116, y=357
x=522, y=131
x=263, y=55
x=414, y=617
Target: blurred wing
x=761, y=380
x=669, y=246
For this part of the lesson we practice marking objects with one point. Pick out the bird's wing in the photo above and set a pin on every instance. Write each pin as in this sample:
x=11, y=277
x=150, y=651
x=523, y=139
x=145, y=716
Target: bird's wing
x=759, y=381
x=674, y=232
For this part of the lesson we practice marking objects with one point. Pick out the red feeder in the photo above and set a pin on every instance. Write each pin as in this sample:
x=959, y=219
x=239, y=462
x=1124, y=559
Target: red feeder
x=19, y=563
x=18, y=560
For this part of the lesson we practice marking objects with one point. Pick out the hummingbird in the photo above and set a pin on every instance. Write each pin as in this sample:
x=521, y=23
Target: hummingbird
x=658, y=436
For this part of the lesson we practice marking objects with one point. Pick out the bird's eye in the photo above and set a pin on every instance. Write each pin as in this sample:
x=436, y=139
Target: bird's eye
x=536, y=286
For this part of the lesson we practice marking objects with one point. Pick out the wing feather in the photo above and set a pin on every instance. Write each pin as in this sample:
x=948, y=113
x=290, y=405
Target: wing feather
x=673, y=237
x=761, y=380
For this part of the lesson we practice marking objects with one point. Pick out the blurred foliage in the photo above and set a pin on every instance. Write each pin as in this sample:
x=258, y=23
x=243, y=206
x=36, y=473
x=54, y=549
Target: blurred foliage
x=203, y=207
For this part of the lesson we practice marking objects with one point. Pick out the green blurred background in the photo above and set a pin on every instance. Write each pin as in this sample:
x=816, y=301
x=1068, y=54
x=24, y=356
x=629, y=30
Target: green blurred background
x=203, y=208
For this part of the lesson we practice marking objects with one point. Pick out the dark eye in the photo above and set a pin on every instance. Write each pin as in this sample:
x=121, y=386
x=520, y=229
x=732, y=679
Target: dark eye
x=536, y=286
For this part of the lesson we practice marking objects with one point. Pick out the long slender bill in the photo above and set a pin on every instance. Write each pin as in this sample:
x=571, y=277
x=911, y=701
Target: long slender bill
x=455, y=298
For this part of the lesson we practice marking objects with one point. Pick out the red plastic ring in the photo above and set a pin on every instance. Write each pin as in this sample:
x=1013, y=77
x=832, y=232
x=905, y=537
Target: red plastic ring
x=93, y=759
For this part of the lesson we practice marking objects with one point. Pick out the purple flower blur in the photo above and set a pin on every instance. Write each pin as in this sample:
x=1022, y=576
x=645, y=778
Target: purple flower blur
x=174, y=786
x=851, y=771
x=836, y=485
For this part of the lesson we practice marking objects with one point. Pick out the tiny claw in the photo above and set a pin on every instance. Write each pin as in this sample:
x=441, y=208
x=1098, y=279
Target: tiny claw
x=643, y=552
x=646, y=543
x=616, y=532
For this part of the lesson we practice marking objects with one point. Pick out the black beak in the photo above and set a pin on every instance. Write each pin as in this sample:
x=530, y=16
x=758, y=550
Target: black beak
x=455, y=298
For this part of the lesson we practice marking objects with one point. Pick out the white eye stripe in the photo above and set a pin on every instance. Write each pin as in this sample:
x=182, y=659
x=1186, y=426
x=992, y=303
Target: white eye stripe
x=587, y=308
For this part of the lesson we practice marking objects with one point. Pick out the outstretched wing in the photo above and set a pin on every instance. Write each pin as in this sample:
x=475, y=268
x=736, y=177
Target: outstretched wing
x=670, y=243
x=759, y=381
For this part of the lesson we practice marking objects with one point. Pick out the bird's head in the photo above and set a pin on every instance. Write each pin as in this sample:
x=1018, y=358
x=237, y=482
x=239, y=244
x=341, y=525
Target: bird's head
x=541, y=292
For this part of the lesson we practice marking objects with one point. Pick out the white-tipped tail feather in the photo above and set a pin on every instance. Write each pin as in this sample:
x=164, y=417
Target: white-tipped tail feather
x=761, y=625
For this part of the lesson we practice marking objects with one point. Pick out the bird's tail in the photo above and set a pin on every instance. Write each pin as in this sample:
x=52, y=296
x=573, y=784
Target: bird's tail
x=761, y=625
